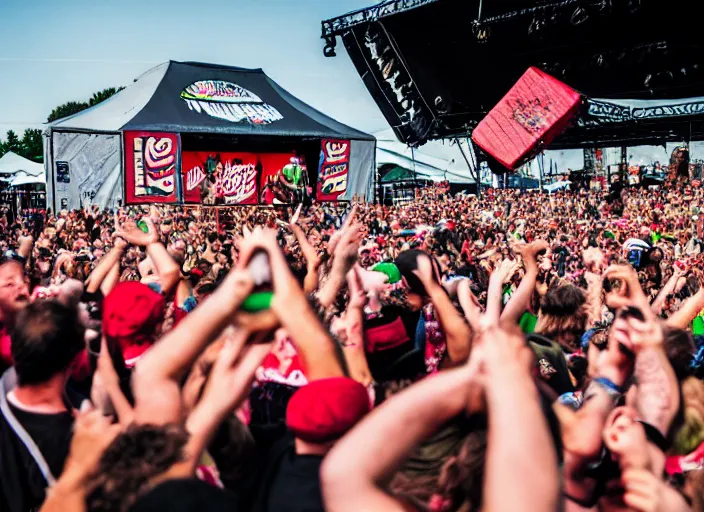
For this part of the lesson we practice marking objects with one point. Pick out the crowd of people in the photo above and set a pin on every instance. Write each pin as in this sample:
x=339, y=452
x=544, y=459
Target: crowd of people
x=512, y=351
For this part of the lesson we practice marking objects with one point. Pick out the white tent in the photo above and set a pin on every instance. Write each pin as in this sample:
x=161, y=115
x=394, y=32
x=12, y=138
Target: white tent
x=434, y=161
x=13, y=164
x=28, y=180
x=558, y=185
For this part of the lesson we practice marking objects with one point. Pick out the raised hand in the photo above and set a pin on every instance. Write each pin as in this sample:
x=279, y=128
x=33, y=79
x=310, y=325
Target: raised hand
x=131, y=233
x=629, y=292
x=92, y=434
x=358, y=297
x=506, y=269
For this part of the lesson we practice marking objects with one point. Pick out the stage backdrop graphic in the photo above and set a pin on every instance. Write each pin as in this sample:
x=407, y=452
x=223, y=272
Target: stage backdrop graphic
x=284, y=178
x=151, y=167
x=220, y=178
x=333, y=169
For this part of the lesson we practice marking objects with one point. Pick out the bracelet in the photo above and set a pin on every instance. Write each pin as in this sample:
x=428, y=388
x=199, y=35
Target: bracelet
x=609, y=385
x=604, y=385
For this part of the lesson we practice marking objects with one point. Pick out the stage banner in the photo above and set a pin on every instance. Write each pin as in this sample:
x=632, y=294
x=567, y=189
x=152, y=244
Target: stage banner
x=213, y=178
x=333, y=169
x=151, y=167
x=284, y=179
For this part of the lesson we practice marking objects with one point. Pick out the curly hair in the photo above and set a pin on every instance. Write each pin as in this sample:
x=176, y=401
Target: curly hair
x=132, y=461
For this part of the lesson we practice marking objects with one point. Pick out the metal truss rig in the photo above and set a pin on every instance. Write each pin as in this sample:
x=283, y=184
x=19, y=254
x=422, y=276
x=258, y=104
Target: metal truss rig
x=338, y=26
x=584, y=8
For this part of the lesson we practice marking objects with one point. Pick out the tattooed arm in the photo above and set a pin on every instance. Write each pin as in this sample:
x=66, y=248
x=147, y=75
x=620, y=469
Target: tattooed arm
x=657, y=395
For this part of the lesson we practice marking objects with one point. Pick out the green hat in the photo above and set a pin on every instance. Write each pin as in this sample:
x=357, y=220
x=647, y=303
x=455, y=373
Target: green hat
x=390, y=270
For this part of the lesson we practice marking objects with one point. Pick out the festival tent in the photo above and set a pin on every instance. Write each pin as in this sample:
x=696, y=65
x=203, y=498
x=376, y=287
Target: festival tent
x=182, y=126
x=28, y=180
x=557, y=186
x=12, y=164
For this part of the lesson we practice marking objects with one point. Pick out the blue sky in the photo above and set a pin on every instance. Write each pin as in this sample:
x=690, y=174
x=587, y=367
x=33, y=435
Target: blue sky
x=53, y=51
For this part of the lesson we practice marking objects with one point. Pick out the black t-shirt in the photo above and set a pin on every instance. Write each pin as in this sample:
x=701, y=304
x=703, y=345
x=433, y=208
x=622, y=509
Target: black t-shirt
x=291, y=482
x=187, y=495
x=22, y=485
x=296, y=486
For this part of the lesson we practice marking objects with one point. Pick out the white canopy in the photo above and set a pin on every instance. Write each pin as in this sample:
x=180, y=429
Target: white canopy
x=558, y=185
x=113, y=113
x=28, y=180
x=12, y=163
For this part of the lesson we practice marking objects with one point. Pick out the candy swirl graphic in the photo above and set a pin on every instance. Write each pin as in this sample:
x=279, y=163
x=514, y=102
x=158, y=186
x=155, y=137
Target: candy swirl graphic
x=159, y=153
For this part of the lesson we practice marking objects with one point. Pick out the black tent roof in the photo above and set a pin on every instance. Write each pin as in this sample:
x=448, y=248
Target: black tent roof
x=194, y=97
x=436, y=67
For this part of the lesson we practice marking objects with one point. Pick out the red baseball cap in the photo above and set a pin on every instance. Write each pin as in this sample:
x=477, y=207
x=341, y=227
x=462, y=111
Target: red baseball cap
x=131, y=315
x=326, y=409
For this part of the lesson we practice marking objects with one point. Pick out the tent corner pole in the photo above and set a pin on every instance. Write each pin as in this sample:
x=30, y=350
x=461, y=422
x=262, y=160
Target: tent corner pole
x=52, y=165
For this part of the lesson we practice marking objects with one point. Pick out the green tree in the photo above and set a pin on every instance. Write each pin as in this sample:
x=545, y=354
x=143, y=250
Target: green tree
x=101, y=96
x=33, y=145
x=12, y=143
x=67, y=109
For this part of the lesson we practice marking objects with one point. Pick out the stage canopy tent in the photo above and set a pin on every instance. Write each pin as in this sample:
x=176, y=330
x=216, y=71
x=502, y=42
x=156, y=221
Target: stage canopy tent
x=436, y=161
x=12, y=164
x=188, y=104
x=436, y=67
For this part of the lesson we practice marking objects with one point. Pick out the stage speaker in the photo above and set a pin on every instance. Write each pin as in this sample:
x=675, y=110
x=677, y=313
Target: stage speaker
x=535, y=111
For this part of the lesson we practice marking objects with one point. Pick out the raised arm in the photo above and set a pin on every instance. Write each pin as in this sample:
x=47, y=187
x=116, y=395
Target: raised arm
x=657, y=395
x=683, y=317
x=524, y=459
x=499, y=276
x=106, y=393
x=159, y=372
x=106, y=265
x=344, y=258
x=457, y=332
x=353, y=348
x=354, y=472
x=520, y=300
x=666, y=290
x=469, y=304
x=316, y=347
x=311, y=281
x=167, y=269
x=228, y=385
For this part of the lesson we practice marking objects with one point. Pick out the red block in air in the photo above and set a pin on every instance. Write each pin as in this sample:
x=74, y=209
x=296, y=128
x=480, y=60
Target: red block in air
x=535, y=111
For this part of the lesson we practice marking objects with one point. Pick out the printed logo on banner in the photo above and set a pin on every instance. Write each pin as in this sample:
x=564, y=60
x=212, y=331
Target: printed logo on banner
x=154, y=165
x=334, y=168
x=228, y=101
x=194, y=177
x=219, y=178
x=532, y=115
x=238, y=182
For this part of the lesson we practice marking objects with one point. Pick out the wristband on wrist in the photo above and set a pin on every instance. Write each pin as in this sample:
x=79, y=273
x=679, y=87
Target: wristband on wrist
x=610, y=385
x=606, y=385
